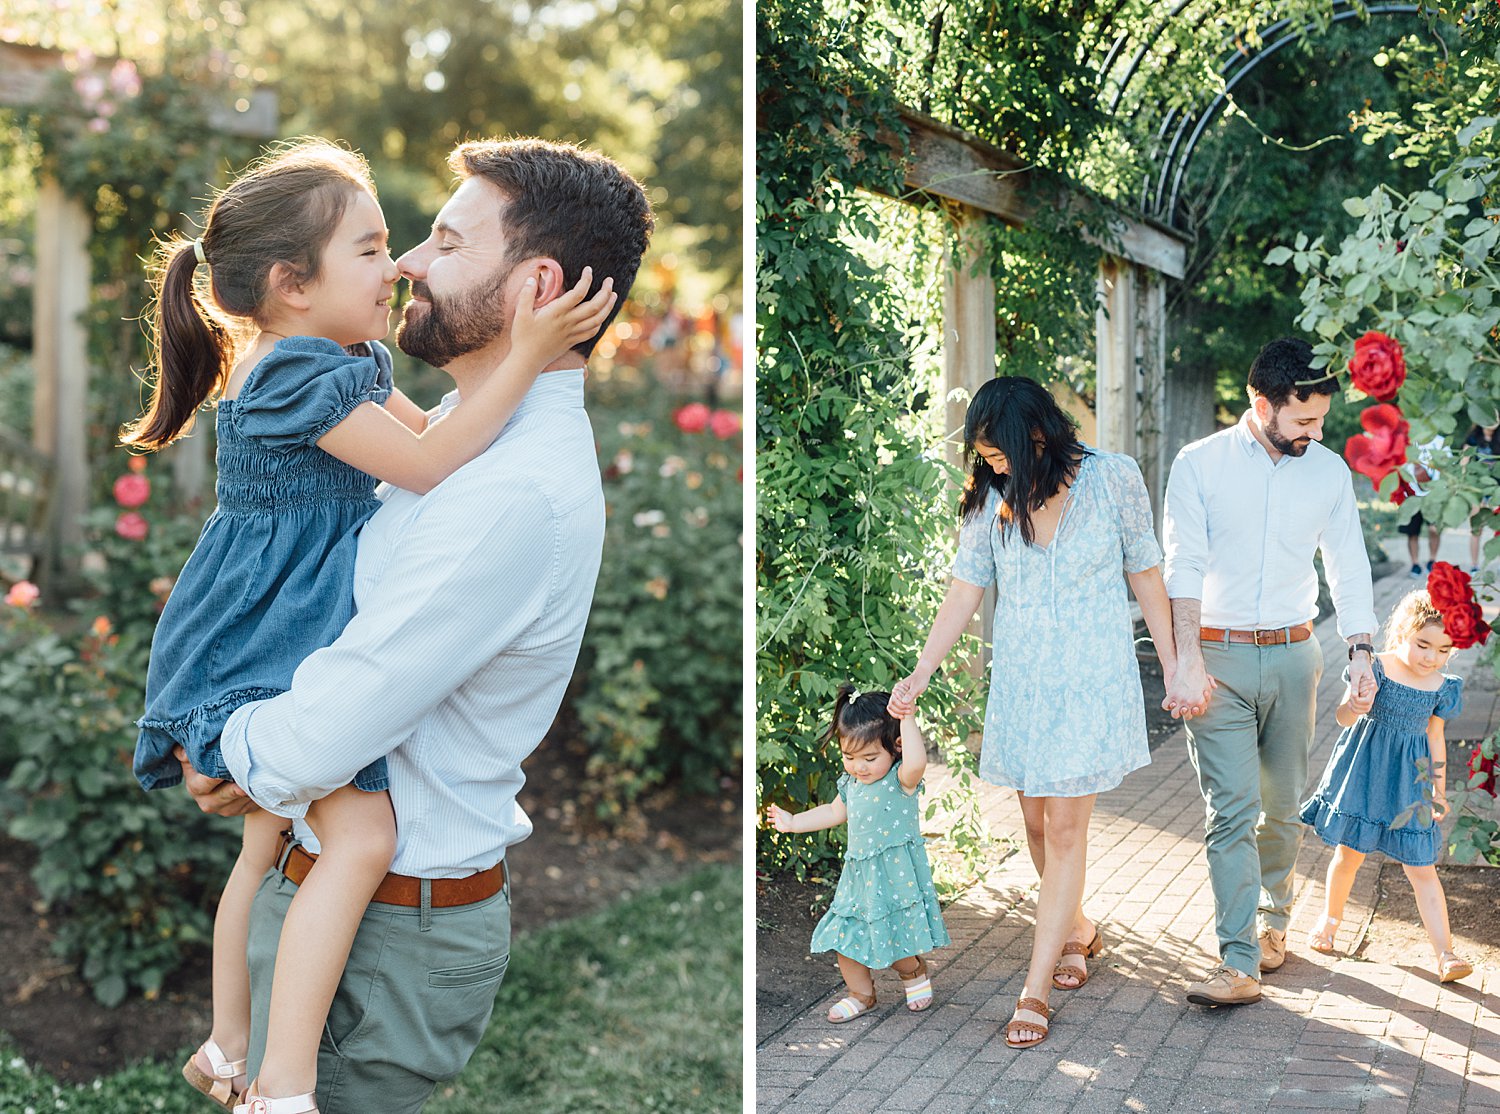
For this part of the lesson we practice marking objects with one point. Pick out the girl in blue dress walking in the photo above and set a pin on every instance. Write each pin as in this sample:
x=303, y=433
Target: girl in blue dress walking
x=283, y=333
x=885, y=910
x=1371, y=796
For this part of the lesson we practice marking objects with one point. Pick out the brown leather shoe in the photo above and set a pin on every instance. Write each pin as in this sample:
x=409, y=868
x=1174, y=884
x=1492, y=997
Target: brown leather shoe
x=1224, y=986
x=1272, y=948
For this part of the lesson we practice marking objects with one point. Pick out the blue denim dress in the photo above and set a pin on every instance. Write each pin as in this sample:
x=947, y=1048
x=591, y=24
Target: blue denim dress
x=1371, y=777
x=271, y=579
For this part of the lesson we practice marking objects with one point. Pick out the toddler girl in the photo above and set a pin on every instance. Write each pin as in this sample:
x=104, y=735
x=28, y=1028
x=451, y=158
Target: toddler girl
x=1370, y=797
x=885, y=911
x=308, y=420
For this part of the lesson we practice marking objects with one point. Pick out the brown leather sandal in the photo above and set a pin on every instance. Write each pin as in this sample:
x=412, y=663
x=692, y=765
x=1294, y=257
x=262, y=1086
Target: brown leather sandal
x=1073, y=947
x=1015, y=1024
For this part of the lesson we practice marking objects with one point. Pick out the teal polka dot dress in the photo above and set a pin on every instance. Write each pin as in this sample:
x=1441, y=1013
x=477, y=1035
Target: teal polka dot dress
x=885, y=907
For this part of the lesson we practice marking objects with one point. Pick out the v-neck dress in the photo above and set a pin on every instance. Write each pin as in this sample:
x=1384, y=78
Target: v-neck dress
x=1066, y=716
x=1371, y=776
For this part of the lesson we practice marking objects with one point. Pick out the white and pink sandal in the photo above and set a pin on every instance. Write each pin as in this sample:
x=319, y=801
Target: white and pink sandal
x=220, y=1085
x=292, y=1104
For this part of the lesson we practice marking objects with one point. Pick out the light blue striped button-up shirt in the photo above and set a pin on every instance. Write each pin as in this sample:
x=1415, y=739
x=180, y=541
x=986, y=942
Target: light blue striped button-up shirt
x=472, y=601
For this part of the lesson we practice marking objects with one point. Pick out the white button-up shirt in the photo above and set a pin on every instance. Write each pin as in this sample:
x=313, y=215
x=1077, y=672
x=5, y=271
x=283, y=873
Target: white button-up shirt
x=472, y=601
x=1241, y=531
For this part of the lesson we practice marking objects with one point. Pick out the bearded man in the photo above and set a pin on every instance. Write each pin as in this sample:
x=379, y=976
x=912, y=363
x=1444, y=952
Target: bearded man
x=1246, y=510
x=472, y=602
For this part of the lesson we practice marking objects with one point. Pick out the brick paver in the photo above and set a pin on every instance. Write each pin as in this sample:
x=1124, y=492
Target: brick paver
x=1330, y=1033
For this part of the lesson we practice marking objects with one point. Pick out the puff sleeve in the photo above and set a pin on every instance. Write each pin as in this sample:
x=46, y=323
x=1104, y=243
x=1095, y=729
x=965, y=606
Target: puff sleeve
x=844, y=787
x=1450, y=699
x=974, y=563
x=1133, y=506
x=305, y=387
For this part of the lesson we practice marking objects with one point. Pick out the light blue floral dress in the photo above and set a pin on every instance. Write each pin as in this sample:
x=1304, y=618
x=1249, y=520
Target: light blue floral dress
x=885, y=907
x=1066, y=716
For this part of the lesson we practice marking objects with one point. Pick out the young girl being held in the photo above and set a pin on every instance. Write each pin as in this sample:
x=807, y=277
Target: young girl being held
x=1370, y=798
x=885, y=910
x=295, y=257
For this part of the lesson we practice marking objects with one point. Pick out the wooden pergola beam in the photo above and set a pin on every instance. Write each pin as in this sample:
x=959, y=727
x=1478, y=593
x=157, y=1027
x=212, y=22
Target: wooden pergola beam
x=954, y=164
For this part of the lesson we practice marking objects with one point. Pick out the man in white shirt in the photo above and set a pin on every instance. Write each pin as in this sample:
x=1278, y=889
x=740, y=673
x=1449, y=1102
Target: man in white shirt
x=1246, y=509
x=472, y=602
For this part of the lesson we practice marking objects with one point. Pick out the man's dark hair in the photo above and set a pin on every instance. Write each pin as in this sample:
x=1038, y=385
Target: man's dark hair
x=567, y=204
x=1282, y=365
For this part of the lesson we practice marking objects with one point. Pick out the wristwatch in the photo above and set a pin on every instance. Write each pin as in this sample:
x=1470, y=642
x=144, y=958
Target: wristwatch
x=1365, y=646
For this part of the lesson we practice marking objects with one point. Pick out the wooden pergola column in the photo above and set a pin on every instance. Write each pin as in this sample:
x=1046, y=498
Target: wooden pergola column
x=1131, y=400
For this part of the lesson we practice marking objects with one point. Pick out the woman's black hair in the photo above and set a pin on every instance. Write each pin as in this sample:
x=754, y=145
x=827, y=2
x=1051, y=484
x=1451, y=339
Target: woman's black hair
x=1016, y=415
x=859, y=717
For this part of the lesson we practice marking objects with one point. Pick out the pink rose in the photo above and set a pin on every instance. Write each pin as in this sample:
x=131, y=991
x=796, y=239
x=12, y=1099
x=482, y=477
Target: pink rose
x=692, y=418
x=132, y=527
x=1382, y=447
x=22, y=594
x=132, y=489
x=724, y=423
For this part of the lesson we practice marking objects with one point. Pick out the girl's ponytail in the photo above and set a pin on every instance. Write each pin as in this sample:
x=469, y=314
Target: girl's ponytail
x=858, y=716
x=193, y=352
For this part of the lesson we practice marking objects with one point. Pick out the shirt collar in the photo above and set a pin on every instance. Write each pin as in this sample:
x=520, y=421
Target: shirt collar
x=1248, y=441
x=551, y=389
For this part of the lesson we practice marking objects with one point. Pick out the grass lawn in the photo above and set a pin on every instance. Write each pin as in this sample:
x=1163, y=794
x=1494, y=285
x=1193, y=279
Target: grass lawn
x=633, y=1008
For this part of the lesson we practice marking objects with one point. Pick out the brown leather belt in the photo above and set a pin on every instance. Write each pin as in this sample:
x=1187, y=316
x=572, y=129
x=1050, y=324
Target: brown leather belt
x=1277, y=637
x=402, y=889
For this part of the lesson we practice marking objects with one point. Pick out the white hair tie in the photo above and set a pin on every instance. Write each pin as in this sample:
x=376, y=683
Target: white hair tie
x=198, y=251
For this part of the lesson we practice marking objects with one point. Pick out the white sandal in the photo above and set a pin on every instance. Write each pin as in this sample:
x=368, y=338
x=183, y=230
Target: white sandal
x=220, y=1085
x=1321, y=938
x=292, y=1104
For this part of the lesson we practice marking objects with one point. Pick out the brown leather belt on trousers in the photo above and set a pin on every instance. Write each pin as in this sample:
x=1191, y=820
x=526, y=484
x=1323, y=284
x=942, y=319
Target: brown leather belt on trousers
x=402, y=889
x=1277, y=637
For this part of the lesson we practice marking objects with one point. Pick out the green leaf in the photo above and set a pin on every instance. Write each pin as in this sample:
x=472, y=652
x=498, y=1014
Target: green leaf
x=1467, y=133
x=1278, y=256
x=1356, y=206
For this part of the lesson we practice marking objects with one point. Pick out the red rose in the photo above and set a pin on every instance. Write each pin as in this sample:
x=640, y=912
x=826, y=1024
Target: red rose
x=692, y=418
x=132, y=489
x=132, y=527
x=1382, y=447
x=1378, y=367
x=1465, y=625
x=1479, y=764
x=725, y=424
x=1402, y=493
x=1449, y=586
x=137, y=464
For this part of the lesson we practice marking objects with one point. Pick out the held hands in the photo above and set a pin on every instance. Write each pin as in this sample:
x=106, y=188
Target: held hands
x=221, y=798
x=903, y=701
x=1189, y=690
x=1362, y=683
x=549, y=332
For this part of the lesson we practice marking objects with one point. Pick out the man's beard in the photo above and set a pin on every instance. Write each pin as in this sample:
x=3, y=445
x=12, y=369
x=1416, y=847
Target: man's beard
x=1272, y=430
x=443, y=330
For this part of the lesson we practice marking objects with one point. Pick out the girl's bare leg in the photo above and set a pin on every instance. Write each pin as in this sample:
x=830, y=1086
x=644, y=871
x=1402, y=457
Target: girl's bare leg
x=1432, y=906
x=857, y=976
x=1033, y=811
x=1067, y=820
x=1337, y=883
x=357, y=833
x=231, y=989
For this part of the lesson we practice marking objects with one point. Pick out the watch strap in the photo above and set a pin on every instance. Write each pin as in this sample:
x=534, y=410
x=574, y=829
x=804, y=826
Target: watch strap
x=1365, y=646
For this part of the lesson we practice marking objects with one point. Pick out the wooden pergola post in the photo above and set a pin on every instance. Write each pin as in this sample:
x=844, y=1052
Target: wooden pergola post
x=1131, y=394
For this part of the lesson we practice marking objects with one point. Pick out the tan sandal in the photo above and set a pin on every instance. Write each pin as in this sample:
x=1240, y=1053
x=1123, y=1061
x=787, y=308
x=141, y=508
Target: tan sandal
x=1073, y=947
x=220, y=1085
x=1016, y=1025
x=1321, y=938
x=1452, y=967
x=918, y=987
x=851, y=1006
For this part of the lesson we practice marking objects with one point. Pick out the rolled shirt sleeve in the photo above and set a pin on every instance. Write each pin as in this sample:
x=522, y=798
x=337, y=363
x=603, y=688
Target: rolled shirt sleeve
x=432, y=620
x=1346, y=563
x=1185, y=532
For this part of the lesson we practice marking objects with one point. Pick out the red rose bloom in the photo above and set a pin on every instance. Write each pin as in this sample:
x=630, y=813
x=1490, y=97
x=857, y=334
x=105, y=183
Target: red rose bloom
x=1479, y=764
x=724, y=423
x=1402, y=493
x=1449, y=586
x=132, y=527
x=1465, y=625
x=1378, y=367
x=132, y=490
x=692, y=418
x=1382, y=447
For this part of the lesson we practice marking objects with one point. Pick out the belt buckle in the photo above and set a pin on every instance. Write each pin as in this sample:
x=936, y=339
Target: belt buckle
x=1271, y=637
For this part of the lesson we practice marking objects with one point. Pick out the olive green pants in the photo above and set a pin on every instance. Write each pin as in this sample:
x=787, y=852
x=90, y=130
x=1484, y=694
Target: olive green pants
x=1250, y=750
x=414, y=1000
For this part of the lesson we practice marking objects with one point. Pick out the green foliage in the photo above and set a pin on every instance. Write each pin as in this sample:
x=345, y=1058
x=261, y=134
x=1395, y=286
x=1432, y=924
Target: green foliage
x=1471, y=798
x=129, y=878
x=660, y=695
x=853, y=503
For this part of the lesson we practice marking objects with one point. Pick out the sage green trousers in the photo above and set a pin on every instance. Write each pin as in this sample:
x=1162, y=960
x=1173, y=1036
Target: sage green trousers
x=414, y=1001
x=1250, y=750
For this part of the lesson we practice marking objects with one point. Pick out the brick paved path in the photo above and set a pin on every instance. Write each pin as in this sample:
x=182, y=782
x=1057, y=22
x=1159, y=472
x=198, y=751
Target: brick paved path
x=1330, y=1033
